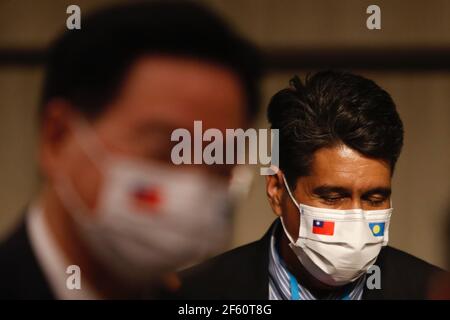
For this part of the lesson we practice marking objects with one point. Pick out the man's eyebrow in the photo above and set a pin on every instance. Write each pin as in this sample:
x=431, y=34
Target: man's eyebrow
x=384, y=191
x=327, y=189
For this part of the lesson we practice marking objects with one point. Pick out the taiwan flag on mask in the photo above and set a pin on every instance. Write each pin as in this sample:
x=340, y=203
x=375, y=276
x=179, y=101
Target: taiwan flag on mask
x=146, y=198
x=323, y=227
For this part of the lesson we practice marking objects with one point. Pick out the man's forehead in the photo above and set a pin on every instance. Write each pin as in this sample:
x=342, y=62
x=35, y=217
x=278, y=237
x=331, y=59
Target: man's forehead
x=343, y=167
x=157, y=123
x=341, y=159
x=181, y=76
x=166, y=91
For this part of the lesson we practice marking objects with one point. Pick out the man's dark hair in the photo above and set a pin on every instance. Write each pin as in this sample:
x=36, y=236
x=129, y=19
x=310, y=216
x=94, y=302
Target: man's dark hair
x=329, y=109
x=87, y=66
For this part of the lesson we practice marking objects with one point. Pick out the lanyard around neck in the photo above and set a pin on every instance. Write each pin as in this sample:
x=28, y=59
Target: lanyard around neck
x=295, y=290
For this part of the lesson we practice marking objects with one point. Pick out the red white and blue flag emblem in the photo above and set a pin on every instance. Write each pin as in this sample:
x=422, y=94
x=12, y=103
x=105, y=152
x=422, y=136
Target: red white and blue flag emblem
x=323, y=227
x=146, y=198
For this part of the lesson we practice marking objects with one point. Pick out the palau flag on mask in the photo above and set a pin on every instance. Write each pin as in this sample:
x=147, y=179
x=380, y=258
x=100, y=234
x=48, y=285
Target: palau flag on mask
x=377, y=228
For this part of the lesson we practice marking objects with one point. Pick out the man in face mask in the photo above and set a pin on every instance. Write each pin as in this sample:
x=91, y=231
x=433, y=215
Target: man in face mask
x=340, y=137
x=114, y=212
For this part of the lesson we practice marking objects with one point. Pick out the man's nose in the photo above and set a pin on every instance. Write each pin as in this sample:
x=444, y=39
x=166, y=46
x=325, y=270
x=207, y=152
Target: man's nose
x=356, y=203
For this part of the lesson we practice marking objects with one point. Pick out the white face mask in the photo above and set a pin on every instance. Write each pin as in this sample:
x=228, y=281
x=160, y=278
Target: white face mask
x=148, y=219
x=338, y=246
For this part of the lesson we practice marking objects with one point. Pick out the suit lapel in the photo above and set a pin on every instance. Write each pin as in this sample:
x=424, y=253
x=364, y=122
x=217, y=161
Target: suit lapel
x=252, y=280
x=24, y=273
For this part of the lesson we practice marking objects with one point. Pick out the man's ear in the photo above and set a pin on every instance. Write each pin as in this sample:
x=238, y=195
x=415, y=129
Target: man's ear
x=274, y=190
x=54, y=131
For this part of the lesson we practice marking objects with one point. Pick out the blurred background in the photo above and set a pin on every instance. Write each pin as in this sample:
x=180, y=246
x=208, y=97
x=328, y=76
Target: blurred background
x=409, y=57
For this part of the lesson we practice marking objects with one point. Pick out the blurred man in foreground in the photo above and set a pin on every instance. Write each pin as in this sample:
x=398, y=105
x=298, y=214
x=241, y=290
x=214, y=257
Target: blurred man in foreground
x=340, y=138
x=112, y=205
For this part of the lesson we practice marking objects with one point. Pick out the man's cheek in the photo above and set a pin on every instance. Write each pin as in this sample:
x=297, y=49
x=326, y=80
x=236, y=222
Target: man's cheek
x=292, y=217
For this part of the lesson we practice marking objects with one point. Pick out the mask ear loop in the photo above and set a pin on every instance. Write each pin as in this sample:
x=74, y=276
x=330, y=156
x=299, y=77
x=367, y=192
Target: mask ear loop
x=90, y=143
x=290, y=193
x=65, y=189
x=386, y=236
x=94, y=149
x=281, y=217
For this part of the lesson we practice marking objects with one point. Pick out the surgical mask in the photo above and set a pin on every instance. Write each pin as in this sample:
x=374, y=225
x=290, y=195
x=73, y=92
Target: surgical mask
x=338, y=246
x=148, y=219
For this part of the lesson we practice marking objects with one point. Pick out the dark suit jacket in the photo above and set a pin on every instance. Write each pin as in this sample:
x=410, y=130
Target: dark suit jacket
x=243, y=273
x=20, y=274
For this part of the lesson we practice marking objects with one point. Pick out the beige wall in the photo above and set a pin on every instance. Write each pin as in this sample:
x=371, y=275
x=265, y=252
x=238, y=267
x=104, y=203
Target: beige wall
x=421, y=183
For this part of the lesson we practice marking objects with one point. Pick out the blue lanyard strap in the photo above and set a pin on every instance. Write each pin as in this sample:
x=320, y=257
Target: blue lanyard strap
x=295, y=290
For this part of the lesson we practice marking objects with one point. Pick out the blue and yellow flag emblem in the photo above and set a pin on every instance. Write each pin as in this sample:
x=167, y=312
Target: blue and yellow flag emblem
x=377, y=228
